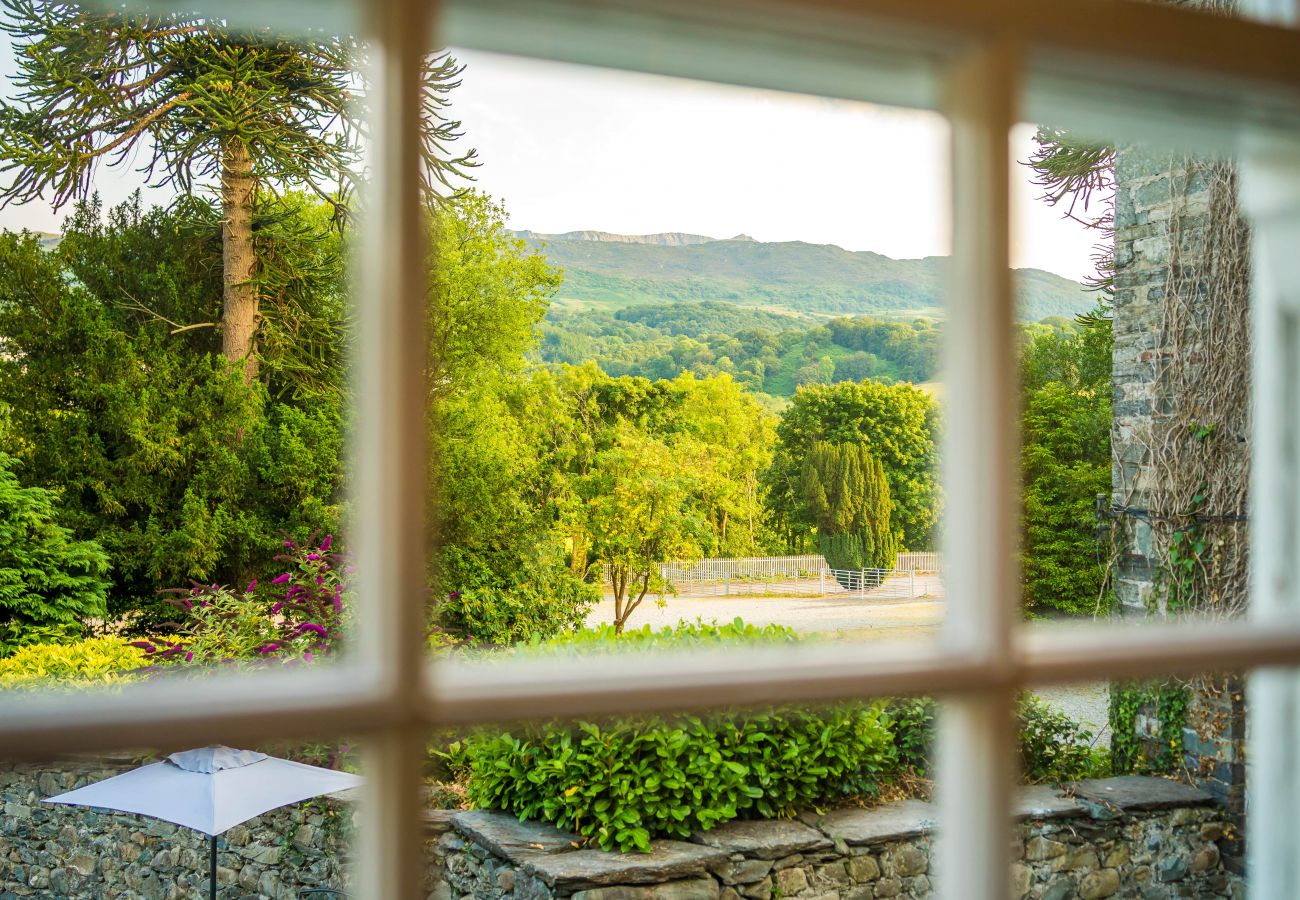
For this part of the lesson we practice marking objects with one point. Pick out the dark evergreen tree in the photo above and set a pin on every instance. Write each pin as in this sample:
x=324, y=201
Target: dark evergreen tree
x=49, y=581
x=135, y=421
x=846, y=497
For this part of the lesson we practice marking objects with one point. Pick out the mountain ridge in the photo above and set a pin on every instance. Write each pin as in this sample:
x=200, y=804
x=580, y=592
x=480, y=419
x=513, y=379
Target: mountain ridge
x=608, y=271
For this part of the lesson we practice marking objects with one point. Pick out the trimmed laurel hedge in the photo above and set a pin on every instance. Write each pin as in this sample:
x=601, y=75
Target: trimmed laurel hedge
x=624, y=782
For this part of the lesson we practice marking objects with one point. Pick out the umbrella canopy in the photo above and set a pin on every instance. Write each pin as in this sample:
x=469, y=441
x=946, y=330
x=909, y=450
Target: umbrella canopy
x=211, y=789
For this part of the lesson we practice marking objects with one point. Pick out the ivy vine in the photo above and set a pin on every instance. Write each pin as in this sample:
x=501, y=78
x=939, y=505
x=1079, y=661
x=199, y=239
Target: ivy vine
x=1131, y=753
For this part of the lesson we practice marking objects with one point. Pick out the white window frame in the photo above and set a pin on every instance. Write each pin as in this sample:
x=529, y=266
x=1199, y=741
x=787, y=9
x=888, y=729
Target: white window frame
x=985, y=66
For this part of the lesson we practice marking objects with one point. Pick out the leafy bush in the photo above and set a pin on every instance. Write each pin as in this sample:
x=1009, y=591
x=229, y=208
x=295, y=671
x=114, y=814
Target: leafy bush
x=1053, y=747
x=623, y=783
x=49, y=582
x=539, y=603
x=299, y=613
x=911, y=719
x=104, y=660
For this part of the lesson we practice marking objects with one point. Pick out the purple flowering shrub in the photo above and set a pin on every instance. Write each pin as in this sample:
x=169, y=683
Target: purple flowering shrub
x=298, y=615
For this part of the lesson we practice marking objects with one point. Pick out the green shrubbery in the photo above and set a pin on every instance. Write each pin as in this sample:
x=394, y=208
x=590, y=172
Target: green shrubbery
x=103, y=660
x=537, y=604
x=685, y=634
x=623, y=782
x=1053, y=747
x=49, y=581
x=627, y=781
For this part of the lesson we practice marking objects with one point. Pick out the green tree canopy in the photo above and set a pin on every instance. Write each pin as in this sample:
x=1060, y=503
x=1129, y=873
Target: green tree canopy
x=1065, y=461
x=134, y=420
x=897, y=425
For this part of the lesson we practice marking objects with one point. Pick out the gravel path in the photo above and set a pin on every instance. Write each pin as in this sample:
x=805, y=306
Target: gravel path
x=849, y=616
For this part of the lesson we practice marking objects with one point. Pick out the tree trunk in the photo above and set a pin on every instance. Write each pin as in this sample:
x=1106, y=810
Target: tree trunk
x=238, y=293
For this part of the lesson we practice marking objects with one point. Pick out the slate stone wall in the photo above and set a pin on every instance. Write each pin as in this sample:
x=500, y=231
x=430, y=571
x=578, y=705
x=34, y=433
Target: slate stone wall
x=71, y=852
x=1161, y=199
x=1117, y=837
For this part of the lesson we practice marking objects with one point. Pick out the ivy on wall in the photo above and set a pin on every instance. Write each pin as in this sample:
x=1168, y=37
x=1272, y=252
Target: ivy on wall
x=1133, y=752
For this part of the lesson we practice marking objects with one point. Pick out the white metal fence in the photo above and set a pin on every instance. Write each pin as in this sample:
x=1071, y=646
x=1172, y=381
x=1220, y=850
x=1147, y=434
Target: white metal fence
x=917, y=575
x=927, y=561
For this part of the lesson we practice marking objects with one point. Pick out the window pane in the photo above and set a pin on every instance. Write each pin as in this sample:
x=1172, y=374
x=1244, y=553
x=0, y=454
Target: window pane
x=87, y=843
x=712, y=392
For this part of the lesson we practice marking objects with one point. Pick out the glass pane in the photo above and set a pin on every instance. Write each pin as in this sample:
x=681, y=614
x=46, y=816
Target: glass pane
x=1151, y=802
x=1138, y=447
x=175, y=317
x=689, y=346
x=113, y=829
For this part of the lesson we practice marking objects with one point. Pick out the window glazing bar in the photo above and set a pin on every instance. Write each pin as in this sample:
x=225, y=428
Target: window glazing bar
x=1270, y=183
x=981, y=487
x=391, y=449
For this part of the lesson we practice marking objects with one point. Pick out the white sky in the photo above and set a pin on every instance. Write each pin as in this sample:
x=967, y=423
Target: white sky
x=568, y=148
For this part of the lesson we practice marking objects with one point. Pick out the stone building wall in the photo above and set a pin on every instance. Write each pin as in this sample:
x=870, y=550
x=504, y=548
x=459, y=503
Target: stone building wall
x=1118, y=837
x=1163, y=243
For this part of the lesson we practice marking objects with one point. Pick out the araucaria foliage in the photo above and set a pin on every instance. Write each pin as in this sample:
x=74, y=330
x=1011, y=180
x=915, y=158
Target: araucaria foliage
x=255, y=111
x=49, y=581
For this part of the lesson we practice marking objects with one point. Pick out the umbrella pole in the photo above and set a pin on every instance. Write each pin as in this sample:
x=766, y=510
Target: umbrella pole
x=212, y=870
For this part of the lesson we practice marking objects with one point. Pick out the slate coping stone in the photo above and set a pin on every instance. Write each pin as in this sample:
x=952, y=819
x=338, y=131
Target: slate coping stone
x=1044, y=801
x=507, y=837
x=582, y=869
x=1096, y=796
x=1140, y=792
x=766, y=839
x=890, y=822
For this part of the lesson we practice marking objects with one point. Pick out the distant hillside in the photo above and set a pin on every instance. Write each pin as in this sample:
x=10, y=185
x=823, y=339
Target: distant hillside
x=615, y=271
x=667, y=238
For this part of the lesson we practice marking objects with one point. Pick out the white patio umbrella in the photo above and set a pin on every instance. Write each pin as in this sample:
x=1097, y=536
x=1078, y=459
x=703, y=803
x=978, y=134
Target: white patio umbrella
x=211, y=789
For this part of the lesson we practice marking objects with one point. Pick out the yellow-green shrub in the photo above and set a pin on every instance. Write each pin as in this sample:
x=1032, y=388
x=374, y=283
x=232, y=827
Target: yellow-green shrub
x=95, y=661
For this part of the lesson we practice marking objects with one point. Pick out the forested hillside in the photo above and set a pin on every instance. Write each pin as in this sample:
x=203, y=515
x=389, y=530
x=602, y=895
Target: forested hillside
x=766, y=352
x=605, y=271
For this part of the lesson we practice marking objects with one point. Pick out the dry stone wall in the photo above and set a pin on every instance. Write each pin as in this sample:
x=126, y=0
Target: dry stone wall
x=84, y=854
x=1117, y=837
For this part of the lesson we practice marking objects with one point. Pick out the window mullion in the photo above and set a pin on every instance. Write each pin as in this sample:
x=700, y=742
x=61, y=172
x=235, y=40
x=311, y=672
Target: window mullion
x=976, y=759
x=1271, y=195
x=392, y=451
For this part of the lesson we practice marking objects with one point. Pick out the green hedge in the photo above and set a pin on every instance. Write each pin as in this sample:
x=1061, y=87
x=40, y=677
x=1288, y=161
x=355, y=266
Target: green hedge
x=627, y=781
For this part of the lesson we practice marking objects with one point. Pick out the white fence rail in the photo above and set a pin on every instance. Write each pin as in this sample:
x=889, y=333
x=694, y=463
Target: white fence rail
x=917, y=575
x=926, y=561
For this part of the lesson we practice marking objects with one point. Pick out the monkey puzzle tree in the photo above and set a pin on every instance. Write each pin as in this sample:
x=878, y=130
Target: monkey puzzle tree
x=253, y=111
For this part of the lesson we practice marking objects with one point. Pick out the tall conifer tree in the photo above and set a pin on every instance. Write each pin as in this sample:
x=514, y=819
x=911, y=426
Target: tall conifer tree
x=847, y=499
x=254, y=112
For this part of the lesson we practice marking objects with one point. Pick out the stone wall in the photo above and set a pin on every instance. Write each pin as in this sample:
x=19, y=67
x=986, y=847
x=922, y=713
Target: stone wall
x=71, y=852
x=1116, y=837
x=1163, y=226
